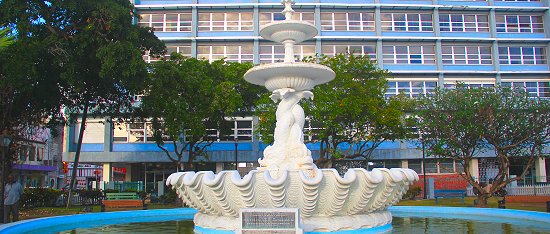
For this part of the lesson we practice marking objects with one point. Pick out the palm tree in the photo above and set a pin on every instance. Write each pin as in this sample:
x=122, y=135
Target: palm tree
x=5, y=38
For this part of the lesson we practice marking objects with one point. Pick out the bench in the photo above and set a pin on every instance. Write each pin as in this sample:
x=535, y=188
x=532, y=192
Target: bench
x=122, y=200
x=447, y=193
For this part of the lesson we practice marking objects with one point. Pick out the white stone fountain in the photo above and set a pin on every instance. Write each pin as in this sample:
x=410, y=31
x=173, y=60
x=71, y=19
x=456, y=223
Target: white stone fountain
x=287, y=177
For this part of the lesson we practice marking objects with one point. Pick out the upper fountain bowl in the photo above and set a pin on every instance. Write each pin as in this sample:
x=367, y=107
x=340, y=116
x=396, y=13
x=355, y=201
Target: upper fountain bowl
x=298, y=76
x=285, y=30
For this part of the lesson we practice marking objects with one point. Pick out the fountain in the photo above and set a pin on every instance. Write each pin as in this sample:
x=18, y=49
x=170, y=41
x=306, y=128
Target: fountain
x=287, y=176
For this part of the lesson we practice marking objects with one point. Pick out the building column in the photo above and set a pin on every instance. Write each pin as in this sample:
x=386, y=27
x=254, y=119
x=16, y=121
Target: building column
x=404, y=163
x=474, y=168
x=194, y=29
x=219, y=167
x=107, y=172
x=128, y=175
x=540, y=169
x=108, y=135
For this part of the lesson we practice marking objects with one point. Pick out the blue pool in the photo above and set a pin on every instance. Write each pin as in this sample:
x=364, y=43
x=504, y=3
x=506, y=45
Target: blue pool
x=407, y=219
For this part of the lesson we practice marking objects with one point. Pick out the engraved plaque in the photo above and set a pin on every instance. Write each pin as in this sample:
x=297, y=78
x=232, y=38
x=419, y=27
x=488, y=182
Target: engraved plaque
x=258, y=220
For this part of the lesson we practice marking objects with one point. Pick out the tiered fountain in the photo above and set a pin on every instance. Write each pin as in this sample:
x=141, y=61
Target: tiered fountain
x=287, y=177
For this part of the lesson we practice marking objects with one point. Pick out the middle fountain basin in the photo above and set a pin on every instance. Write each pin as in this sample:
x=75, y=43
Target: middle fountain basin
x=295, y=75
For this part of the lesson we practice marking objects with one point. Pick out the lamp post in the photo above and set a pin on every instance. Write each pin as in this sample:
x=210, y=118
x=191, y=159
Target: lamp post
x=236, y=153
x=4, y=144
x=424, y=169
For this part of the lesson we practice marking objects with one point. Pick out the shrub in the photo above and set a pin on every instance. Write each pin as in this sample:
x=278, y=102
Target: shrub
x=169, y=198
x=412, y=193
x=37, y=197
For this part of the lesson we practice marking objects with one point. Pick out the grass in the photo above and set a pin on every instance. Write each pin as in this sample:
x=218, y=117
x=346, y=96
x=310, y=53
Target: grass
x=469, y=202
x=40, y=212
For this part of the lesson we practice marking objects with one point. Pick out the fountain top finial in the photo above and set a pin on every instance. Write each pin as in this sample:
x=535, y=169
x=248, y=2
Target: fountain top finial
x=288, y=11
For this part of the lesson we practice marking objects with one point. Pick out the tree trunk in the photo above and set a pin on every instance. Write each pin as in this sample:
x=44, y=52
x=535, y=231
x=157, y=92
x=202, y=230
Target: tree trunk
x=482, y=200
x=77, y=154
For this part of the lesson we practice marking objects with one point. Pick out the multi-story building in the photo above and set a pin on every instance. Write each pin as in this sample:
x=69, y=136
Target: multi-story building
x=424, y=43
x=38, y=158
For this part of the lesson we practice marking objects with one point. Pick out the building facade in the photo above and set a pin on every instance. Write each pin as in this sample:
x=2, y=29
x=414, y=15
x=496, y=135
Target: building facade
x=424, y=43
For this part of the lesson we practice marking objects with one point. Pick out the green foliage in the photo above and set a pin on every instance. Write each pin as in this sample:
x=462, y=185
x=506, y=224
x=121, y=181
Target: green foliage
x=188, y=96
x=412, y=193
x=168, y=198
x=87, y=58
x=464, y=122
x=350, y=114
x=90, y=195
x=110, y=191
x=92, y=48
x=39, y=197
x=5, y=38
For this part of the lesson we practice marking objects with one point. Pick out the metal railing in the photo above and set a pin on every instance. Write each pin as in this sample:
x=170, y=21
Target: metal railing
x=123, y=185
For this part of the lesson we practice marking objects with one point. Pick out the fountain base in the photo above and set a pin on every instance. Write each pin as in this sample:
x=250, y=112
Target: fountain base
x=309, y=224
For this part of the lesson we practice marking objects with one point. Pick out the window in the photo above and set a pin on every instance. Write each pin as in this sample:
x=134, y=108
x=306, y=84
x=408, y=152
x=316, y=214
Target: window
x=173, y=22
x=535, y=89
x=446, y=166
x=357, y=49
x=32, y=153
x=232, y=53
x=23, y=153
x=458, y=167
x=243, y=129
x=271, y=53
x=268, y=17
x=409, y=22
x=404, y=54
x=463, y=23
x=120, y=132
x=450, y=84
x=410, y=88
x=185, y=50
x=219, y=21
x=350, y=21
x=133, y=132
x=416, y=165
x=392, y=164
x=137, y=132
x=519, y=23
x=311, y=130
x=431, y=166
x=457, y=55
x=39, y=153
x=522, y=55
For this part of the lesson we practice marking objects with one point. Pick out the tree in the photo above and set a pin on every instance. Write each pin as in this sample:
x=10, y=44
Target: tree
x=461, y=123
x=187, y=99
x=350, y=114
x=93, y=49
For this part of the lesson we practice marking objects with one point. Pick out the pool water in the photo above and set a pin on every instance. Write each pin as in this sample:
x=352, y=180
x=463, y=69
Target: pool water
x=406, y=219
x=400, y=225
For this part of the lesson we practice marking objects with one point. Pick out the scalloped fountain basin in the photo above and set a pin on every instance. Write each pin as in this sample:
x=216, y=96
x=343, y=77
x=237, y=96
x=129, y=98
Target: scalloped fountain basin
x=327, y=201
x=299, y=76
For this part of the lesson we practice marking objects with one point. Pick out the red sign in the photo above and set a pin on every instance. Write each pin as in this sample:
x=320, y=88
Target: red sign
x=119, y=170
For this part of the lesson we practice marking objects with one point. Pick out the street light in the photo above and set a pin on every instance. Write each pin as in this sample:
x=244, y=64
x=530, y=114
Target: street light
x=424, y=168
x=4, y=143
